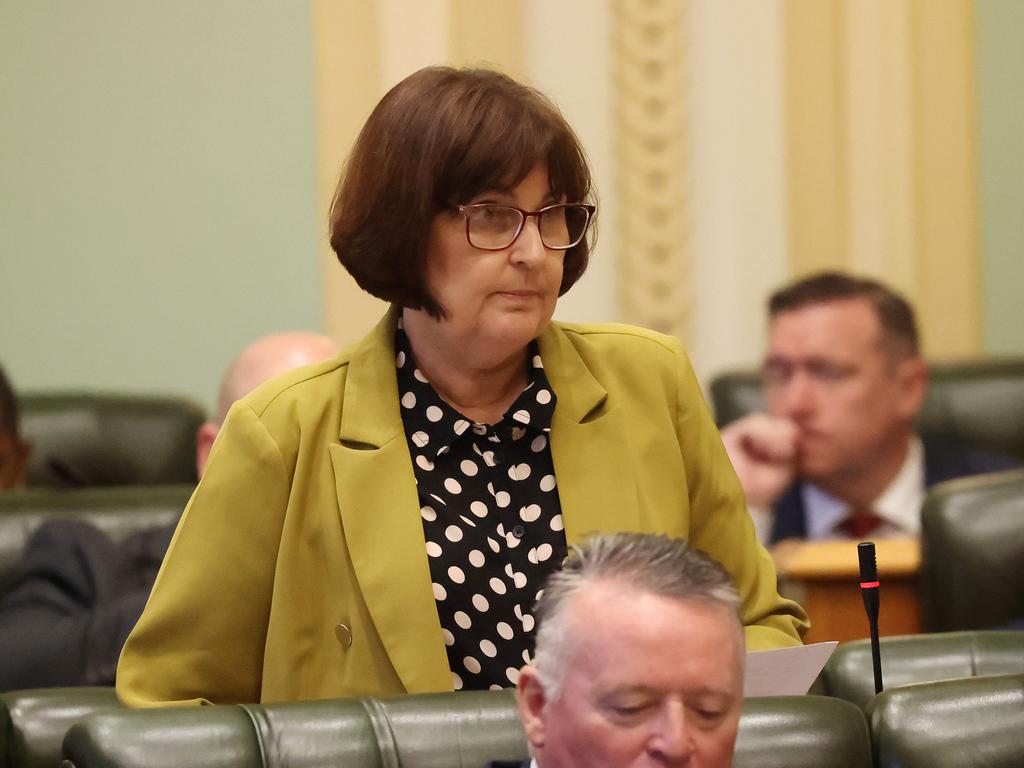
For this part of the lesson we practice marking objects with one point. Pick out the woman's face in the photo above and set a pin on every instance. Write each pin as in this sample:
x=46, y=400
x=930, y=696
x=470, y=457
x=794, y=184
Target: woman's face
x=500, y=298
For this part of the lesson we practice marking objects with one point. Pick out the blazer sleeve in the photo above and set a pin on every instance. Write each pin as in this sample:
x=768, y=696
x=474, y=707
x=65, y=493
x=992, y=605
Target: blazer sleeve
x=720, y=524
x=202, y=634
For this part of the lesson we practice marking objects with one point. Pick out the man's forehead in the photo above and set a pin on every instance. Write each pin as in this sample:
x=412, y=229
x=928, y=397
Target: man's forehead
x=838, y=327
x=607, y=614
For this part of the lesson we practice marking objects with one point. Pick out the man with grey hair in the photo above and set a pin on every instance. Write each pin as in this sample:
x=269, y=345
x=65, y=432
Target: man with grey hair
x=638, y=660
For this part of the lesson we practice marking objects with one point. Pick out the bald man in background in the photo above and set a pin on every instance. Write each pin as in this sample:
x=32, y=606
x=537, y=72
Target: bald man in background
x=76, y=594
x=261, y=361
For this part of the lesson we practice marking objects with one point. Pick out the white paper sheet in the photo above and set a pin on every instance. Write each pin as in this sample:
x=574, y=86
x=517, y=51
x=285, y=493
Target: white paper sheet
x=785, y=671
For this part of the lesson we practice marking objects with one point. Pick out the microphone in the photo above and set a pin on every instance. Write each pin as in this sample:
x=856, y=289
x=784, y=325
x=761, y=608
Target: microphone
x=869, y=591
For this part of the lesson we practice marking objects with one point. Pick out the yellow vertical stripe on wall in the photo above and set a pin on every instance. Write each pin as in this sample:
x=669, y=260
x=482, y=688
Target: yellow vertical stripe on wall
x=879, y=143
x=815, y=68
x=488, y=32
x=882, y=153
x=949, y=292
x=347, y=77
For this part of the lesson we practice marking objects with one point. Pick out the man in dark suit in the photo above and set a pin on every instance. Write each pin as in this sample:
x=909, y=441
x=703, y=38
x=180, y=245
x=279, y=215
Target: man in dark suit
x=837, y=455
x=76, y=594
x=638, y=660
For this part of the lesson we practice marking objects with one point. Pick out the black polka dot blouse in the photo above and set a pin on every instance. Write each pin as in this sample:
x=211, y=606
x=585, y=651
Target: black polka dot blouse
x=491, y=519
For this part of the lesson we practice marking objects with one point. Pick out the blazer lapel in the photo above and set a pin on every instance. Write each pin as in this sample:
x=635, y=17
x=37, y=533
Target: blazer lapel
x=380, y=515
x=596, y=486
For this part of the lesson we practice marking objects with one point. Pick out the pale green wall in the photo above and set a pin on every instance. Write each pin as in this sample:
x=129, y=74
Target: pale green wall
x=157, y=190
x=1000, y=30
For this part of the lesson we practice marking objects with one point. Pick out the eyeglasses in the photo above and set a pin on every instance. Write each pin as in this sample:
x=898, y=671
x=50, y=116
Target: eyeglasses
x=493, y=227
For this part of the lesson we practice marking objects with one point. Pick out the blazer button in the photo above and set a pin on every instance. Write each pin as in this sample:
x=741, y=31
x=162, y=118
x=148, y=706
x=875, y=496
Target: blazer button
x=344, y=635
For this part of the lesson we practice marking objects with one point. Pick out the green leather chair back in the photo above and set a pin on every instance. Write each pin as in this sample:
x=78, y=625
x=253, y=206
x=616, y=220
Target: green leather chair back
x=117, y=511
x=464, y=730
x=33, y=723
x=973, y=723
x=86, y=439
x=921, y=659
x=980, y=403
x=972, y=553
x=802, y=732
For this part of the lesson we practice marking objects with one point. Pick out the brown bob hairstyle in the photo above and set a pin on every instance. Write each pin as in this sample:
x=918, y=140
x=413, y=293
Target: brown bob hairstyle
x=436, y=140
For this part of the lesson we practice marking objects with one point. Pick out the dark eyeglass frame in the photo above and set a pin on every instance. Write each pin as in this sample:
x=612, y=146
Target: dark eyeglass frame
x=523, y=216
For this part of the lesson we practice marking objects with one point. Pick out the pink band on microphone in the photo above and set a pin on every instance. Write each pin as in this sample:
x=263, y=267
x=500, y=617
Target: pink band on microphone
x=868, y=584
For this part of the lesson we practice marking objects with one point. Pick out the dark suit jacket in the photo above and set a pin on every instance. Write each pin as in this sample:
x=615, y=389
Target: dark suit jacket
x=943, y=460
x=72, y=600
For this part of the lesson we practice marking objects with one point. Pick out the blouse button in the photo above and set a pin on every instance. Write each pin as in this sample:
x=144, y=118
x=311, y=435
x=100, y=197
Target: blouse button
x=518, y=531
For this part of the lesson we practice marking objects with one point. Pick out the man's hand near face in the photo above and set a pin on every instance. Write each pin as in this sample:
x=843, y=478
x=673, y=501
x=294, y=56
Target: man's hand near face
x=763, y=451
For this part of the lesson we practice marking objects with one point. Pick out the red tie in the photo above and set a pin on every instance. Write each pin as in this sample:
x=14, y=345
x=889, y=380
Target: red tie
x=861, y=523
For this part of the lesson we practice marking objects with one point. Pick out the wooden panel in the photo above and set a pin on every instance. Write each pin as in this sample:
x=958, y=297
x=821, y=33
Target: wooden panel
x=824, y=578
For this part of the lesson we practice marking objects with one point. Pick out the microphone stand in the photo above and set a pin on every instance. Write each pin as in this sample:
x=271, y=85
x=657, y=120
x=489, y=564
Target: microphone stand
x=869, y=591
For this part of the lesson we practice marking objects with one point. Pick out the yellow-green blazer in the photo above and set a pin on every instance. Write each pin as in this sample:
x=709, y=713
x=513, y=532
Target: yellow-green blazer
x=299, y=568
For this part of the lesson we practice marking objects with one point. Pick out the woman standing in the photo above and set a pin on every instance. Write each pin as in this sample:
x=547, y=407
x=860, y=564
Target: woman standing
x=381, y=523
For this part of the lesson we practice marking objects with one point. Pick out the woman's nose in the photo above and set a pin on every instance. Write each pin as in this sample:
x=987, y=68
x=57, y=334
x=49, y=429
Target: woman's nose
x=529, y=246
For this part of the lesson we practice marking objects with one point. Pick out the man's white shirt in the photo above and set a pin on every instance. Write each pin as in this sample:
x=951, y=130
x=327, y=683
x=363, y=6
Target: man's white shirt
x=899, y=505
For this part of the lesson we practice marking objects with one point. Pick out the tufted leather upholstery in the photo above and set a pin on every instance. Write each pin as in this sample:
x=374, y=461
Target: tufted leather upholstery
x=972, y=723
x=117, y=512
x=801, y=732
x=425, y=731
x=921, y=659
x=33, y=723
x=442, y=730
x=980, y=403
x=972, y=551
x=87, y=439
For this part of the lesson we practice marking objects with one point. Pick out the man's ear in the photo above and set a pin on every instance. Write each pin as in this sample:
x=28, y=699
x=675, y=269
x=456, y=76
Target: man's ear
x=204, y=442
x=913, y=374
x=531, y=700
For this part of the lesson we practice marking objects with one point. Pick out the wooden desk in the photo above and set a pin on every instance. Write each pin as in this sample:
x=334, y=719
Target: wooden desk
x=824, y=577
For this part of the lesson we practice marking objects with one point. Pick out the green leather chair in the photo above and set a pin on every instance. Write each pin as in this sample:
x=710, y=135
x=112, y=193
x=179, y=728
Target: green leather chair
x=972, y=723
x=920, y=659
x=33, y=723
x=117, y=511
x=463, y=730
x=86, y=439
x=972, y=553
x=980, y=402
x=802, y=732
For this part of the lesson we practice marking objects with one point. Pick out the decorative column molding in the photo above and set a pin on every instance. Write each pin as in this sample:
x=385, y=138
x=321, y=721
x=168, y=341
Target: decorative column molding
x=650, y=121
